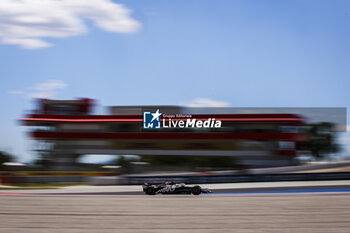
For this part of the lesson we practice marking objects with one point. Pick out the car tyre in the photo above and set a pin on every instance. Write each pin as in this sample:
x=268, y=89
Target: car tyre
x=150, y=191
x=196, y=190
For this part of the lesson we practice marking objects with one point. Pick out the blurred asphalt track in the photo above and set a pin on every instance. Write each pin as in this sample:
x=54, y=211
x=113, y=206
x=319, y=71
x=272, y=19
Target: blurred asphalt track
x=38, y=211
x=234, y=188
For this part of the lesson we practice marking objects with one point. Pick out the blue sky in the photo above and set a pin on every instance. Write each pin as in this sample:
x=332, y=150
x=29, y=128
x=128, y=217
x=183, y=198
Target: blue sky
x=234, y=53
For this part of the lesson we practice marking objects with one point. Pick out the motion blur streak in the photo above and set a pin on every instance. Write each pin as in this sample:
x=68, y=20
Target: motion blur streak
x=210, y=213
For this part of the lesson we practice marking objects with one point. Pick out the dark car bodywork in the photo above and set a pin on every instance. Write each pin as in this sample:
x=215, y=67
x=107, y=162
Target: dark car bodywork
x=152, y=189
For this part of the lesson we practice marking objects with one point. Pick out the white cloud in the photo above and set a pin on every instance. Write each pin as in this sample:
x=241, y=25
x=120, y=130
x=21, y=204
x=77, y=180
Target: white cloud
x=26, y=43
x=15, y=92
x=48, y=89
x=205, y=102
x=27, y=22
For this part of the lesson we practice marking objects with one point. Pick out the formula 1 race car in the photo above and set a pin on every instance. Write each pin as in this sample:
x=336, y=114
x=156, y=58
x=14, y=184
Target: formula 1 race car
x=172, y=188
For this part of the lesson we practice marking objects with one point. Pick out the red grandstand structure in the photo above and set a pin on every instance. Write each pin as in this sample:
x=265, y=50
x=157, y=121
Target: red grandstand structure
x=71, y=130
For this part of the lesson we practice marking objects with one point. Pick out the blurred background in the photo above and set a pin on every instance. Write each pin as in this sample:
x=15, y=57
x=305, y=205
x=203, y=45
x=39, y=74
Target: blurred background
x=75, y=80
